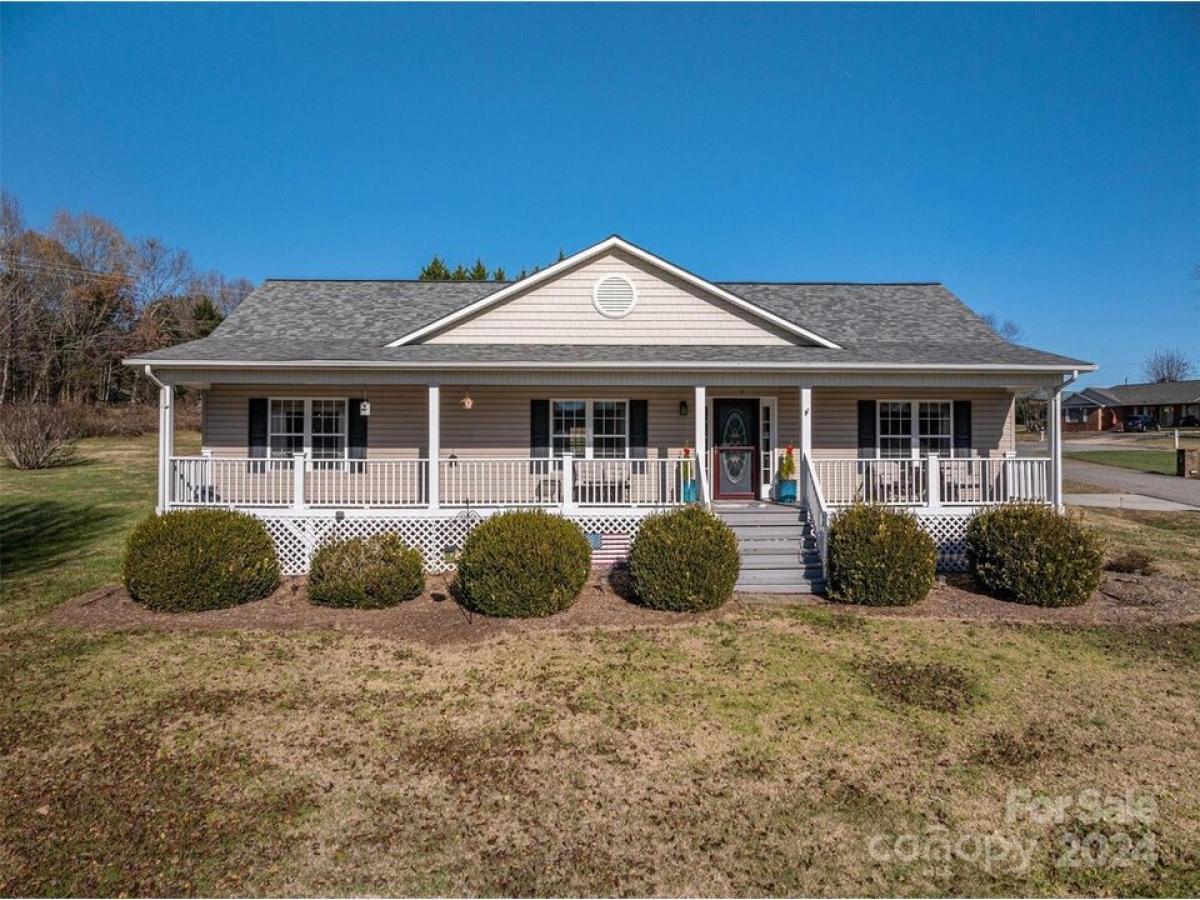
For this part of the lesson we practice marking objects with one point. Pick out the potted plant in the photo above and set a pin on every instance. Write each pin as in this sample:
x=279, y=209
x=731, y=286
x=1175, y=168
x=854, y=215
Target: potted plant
x=690, y=493
x=785, y=477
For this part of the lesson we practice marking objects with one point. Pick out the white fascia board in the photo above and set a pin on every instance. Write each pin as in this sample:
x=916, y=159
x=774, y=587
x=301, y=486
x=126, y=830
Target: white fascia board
x=612, y=243
x=542, y=364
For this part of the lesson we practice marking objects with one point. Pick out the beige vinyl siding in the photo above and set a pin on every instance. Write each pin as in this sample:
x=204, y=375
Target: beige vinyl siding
x=397, y=428
x=498, y=424
x=667, y=311
x=835, y=417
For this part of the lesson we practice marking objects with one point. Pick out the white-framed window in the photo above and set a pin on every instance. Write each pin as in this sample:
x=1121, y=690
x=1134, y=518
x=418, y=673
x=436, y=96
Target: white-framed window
x=286, y=428
x=591, y=429
x=328, y=432
x=895, y=429
x=1076, y=414
x=912, y=429
x=317, y=427
x=935, y=427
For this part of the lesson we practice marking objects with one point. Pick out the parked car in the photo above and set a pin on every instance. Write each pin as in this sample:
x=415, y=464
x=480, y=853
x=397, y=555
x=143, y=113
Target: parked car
x=1190, y=422
x=1141, y=423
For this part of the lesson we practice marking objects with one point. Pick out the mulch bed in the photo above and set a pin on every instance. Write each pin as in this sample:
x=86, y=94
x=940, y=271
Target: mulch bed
x=1121, y=600
x=435, y=619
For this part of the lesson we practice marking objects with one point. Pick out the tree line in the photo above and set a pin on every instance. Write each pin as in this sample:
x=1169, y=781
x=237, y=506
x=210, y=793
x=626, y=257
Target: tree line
x=78, y=297
x=437, y=270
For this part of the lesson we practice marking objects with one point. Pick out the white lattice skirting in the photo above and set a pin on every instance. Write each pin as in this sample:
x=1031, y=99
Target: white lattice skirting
x=438, y=538
x=949, y=532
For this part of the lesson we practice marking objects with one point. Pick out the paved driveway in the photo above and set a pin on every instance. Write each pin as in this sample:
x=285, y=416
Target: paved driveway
x=1166, y=487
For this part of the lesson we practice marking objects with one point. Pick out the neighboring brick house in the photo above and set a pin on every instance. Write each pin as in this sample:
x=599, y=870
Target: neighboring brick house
x=1105, y=409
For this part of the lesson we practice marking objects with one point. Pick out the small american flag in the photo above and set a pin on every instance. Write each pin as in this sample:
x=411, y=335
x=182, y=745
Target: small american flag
x=608, y=547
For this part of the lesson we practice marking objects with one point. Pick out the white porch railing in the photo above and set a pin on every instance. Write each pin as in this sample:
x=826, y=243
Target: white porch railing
x=933, y=481
x=522, y=481
x=230, y=481
x=634, y=482
x=892, y=482
x=818, y=511
x=972, y=482
x=512, y=481
x=366, y=483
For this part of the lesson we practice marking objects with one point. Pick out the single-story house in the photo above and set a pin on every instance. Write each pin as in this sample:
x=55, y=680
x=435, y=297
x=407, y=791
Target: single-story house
x=606, y=387
x=1105, y=409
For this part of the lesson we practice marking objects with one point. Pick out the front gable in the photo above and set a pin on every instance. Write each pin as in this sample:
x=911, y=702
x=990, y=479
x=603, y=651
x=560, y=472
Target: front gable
x=614, y=294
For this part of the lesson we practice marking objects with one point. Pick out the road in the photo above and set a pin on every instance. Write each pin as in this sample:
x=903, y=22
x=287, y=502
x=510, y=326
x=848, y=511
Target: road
x=1165, y=487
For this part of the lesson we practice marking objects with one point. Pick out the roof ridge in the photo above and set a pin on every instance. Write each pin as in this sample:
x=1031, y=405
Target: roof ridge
x=385, y=281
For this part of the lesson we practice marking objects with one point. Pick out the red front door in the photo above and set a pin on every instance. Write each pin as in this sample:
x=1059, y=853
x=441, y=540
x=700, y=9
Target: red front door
x=735, y=449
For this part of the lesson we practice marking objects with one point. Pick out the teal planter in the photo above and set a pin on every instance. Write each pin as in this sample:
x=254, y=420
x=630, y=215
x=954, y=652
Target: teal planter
x=690, y=493
x=785, y=491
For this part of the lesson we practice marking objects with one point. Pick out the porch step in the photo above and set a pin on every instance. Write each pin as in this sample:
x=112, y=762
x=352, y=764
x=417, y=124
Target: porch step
x=777, y=549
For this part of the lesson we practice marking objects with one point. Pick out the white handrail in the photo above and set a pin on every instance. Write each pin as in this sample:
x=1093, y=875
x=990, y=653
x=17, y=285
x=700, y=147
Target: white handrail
x=819, y=514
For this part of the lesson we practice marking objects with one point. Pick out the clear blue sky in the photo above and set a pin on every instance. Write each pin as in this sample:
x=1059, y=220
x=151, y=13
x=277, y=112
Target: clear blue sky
x=1044, y=162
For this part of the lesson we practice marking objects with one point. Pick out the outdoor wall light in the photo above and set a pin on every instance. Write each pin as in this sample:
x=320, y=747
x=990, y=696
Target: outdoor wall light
x=467, y=401
x=683, y=407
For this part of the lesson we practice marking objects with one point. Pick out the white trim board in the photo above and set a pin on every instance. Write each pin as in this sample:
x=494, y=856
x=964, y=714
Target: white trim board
x=608, y=244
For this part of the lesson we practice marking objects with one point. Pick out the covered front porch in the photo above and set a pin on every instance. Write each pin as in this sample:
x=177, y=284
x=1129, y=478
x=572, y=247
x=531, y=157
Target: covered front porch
x=433, y=448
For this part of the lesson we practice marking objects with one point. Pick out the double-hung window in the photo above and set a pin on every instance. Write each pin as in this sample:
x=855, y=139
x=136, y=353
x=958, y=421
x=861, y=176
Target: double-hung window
x=590, y=429
x=287, y=428
x=315, y=427
x=911, y=429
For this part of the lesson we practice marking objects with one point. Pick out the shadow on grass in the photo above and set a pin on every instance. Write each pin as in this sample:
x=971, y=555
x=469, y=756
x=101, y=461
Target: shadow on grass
x=37, y=534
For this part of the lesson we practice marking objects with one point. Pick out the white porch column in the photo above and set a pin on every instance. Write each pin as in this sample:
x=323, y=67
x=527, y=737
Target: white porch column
x=435, y=445
x=1054, y=434
x=166, y=444
x=806, y=424
x=701, y=439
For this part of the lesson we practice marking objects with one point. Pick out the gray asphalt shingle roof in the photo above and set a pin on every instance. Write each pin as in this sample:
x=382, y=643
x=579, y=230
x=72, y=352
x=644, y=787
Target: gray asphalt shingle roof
x=353, y=321
x=1148, y=394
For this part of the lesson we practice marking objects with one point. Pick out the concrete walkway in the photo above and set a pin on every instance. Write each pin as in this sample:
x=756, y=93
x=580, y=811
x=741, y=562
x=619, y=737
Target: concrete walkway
x=1127, y=501
x=1164, y=487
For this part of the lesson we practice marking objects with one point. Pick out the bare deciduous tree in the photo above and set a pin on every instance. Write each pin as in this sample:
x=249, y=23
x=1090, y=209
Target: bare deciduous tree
x=77, y=298
x=1168, y=364
x=1007, y=328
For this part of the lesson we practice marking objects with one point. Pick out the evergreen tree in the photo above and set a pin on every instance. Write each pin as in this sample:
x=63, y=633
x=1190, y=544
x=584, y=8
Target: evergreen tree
x=478, y=271
x=435, y=271
x=207, y=316
x=499, y=274
x=459, y=273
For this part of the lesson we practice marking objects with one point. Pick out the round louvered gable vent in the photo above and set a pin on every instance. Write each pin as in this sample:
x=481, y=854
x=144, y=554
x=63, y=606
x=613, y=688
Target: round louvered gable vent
x=614, y=296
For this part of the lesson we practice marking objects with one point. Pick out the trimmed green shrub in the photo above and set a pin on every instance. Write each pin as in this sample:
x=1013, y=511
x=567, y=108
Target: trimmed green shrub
x=1033, y=554
x=685, y=560
x=880, y=557
x=366, y=573
x=198, y=559
x=522, y=564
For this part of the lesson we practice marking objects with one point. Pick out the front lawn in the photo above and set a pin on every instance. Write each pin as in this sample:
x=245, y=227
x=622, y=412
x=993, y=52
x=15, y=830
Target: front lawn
x=1160, y=461
x=62, y=531
x=1171, y=539
x=787, y=752
x=779, y=751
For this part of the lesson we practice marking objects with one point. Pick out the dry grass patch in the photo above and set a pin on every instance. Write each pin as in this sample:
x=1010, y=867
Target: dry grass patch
x=732, y=757
x=1170, y=539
